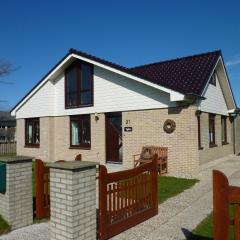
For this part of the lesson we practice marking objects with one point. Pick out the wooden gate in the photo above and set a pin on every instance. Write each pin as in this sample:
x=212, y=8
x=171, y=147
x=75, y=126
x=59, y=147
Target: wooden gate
x=224, y=196
x=126, y=198
x=42, y=190
x=42, y=187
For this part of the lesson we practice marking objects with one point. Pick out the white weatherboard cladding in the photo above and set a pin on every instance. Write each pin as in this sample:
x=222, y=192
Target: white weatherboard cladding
x=215, y=101
x=112, y=92
x=40, y=104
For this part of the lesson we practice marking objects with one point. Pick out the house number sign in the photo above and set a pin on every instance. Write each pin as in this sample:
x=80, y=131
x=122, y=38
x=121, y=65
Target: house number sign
x=127, y=129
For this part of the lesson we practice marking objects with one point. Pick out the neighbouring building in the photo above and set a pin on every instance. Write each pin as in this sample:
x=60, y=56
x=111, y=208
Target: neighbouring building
x=7, y=127
x=106, y=112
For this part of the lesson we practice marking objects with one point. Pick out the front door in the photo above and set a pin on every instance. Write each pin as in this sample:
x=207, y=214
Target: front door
x=114, y=137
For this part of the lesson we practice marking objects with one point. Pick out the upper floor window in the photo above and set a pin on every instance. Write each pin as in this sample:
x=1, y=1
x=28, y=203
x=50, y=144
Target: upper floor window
x=212, y=130
x=213, y=79
x=224, y=129
x=32, y=132
x=79, y=85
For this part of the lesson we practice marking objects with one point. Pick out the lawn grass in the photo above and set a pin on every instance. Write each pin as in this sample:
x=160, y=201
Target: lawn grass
x=4, y=227
x=170, y=186
x=205, y=228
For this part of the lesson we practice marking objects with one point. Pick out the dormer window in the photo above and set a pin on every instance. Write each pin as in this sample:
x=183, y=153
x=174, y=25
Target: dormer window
x=213, y=79
x=79, y=85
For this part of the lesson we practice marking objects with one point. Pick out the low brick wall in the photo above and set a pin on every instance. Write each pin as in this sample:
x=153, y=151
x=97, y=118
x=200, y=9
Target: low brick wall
x=16, y=205
x=73, y=200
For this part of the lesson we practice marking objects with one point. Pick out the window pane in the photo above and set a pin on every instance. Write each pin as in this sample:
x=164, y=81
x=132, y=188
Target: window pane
x=75, y=133
x=30, y=133
x=86, y=138
x=71, y=99
x=36, y=138
x=211, y=131
x=72, y=80
x=86, y=80
x=224, y=137
x=86, y=98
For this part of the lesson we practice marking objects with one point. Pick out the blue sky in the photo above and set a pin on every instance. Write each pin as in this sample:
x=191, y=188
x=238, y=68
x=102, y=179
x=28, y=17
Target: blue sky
x=34, y=35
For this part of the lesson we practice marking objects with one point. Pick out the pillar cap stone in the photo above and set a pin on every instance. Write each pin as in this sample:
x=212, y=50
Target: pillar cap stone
x=74, y=166
x=16, y=159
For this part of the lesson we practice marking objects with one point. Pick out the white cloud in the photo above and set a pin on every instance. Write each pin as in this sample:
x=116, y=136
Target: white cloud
x=233, y=62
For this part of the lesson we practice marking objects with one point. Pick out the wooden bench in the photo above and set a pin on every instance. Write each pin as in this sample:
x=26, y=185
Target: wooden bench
x=147, y=155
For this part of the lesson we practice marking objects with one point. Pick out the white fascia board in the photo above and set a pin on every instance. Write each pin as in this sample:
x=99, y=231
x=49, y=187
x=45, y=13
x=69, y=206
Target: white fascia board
x=231, y=111
x=174, y=96
x=228, y=81
x=205, y=89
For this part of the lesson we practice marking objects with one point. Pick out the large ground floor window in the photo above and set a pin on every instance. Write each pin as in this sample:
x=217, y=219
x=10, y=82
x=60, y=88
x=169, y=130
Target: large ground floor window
x=32, y=132
x=80, y=131
x=212, y=138
x=224, y=129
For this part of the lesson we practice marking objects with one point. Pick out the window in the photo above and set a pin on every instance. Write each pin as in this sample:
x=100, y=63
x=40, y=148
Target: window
x=224, y=129
x=213, y=79
x=80, y=131
x=199, y=132
x=79, y=85
x=212, y=130
x=32, y=133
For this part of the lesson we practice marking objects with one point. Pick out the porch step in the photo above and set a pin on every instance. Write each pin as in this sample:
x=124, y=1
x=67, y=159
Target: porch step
x=111, y=167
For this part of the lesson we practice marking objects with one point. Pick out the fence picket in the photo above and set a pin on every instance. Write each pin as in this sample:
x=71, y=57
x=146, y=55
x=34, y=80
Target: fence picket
x=7, y=148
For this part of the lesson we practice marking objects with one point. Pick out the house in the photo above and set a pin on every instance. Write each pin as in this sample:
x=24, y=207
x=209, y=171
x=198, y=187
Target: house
x=106, y=112
x=7, y=127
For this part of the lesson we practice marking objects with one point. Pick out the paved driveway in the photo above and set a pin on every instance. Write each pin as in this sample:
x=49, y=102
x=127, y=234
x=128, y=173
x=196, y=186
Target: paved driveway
x=180, y=215
x=177, y=216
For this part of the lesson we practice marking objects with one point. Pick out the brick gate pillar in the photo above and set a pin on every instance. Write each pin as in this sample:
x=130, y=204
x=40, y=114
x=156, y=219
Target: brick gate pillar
x=16, y=202
x=73, y=200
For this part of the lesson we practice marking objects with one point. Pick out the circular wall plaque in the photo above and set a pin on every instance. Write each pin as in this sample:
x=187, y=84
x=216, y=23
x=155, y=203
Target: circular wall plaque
x=169, y=126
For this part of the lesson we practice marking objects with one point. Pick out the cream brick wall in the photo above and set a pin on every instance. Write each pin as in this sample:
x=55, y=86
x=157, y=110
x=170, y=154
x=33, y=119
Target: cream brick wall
x=62, y=140
x=45, y=151
x=184, y=156
x=148, y=130
x=207, y=154
x=55, y=140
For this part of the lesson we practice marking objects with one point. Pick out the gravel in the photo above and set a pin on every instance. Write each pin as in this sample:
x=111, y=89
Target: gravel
x=177, y=217
x=39, y=231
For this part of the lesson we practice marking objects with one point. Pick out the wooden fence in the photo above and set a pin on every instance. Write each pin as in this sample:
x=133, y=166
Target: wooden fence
x=223, y=197
x=42, y=190
x=7, y=148
x=126, y=198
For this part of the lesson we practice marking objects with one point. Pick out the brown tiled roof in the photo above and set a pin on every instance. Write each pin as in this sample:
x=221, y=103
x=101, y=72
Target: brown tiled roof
x=188, y=75
x=99, y=60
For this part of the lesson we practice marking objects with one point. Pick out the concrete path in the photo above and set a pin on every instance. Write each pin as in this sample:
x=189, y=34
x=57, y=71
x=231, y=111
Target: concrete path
x=177, y=216
x=180, y=215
